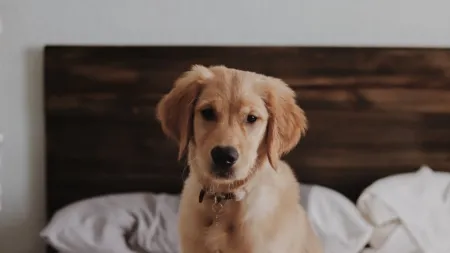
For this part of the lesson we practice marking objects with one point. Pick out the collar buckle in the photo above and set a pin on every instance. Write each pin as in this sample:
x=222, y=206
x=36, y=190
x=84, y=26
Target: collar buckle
x=218, y=197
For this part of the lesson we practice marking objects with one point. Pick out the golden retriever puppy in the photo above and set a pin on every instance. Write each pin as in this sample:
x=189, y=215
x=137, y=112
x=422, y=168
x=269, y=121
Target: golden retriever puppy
x=240, y=197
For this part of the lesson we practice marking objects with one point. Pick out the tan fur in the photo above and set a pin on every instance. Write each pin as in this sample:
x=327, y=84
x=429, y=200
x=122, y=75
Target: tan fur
x=269, y=217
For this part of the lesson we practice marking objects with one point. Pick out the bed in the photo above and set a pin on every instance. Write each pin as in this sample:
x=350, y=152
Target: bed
x=373, y=112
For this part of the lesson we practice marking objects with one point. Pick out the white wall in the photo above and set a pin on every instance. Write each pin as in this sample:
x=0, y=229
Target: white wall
x=29, y=25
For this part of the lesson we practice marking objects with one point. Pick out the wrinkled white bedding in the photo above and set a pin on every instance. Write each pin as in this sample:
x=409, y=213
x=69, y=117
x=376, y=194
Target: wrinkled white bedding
x=337, y=222
x=406, y=213
x=146, y=223
x=410, y=212
x=119, y=223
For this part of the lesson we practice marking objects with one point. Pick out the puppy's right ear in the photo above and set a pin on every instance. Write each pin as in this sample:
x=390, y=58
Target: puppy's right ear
x=287, y=121
x=175, y=110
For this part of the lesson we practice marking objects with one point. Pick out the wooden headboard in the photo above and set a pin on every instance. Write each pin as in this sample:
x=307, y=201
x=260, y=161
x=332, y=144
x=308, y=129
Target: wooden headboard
x=373, y=112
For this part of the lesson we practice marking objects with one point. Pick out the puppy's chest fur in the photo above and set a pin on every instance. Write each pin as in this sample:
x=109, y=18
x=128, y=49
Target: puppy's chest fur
x=233, y=229
x=224, y=226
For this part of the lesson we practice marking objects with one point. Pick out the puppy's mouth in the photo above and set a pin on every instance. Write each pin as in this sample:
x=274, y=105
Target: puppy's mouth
x=220, y=173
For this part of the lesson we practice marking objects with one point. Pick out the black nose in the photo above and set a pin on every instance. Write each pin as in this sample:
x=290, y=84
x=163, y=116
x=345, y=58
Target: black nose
x=224, y=157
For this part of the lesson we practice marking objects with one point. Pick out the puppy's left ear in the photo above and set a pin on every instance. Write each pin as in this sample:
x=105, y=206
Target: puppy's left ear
x=175, y=110
x=287, y=121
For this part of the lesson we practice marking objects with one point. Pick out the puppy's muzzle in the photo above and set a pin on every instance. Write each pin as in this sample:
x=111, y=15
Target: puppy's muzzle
x=223, y=158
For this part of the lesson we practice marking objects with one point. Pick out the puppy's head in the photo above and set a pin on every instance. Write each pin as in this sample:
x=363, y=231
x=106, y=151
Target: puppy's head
x=229, y=121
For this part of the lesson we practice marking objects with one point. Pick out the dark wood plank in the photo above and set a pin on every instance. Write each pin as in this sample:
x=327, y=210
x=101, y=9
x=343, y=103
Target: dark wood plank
x=139, y=68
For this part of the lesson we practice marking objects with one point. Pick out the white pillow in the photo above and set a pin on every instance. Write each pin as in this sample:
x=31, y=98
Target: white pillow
x=104, y=224
x=335, y=219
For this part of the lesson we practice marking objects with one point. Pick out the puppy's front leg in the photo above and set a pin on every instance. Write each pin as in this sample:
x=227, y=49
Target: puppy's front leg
x=192, y=244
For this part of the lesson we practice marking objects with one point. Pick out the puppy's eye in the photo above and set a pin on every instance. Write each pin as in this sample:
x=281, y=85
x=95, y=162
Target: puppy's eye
x=208, y=114
x=251, y=119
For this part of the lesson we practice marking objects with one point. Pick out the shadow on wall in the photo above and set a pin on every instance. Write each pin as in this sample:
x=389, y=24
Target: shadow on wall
x=26, y=227
x=1, y=155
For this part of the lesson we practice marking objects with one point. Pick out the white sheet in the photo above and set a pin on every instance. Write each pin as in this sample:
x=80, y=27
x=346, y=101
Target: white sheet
x=410, y=212
x=336, y=221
